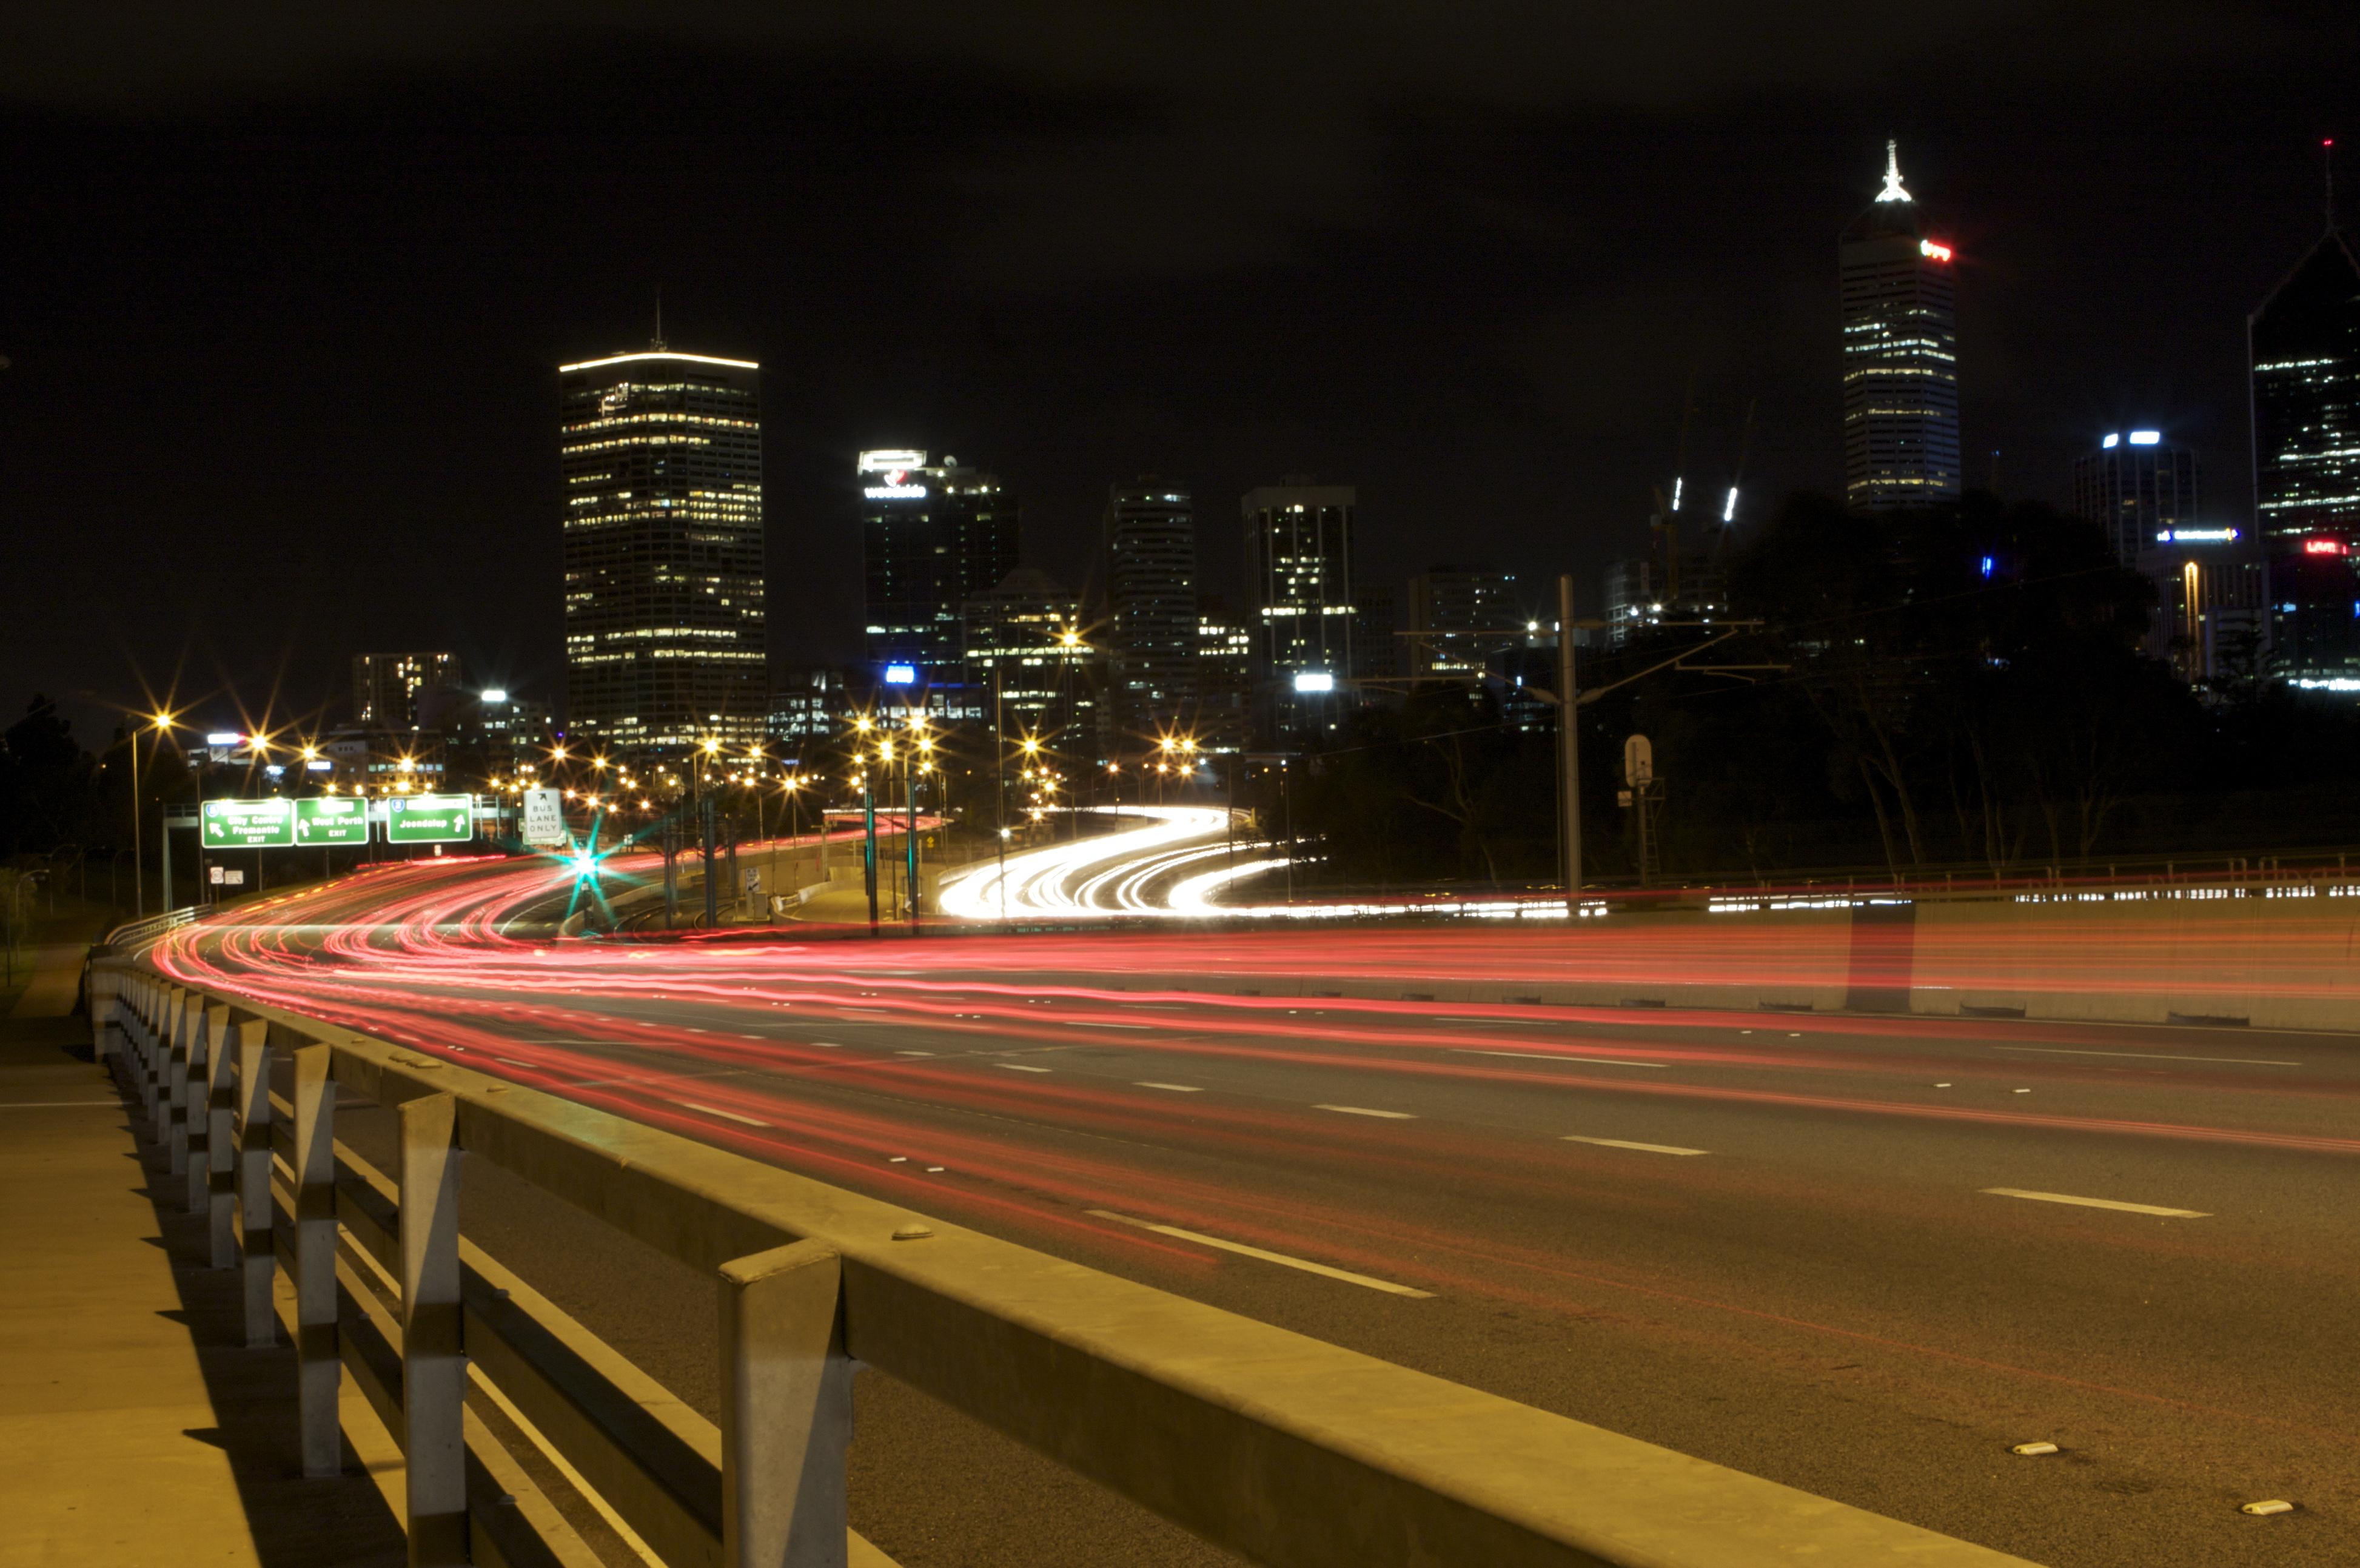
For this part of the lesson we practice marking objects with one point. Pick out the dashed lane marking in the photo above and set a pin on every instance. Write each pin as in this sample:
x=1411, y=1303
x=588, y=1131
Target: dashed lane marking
x=1553, y=1056
x=1242, y=1250
x=2148, y=1055
x=1175, y=1088
x=1627, y=1143
x=1365, y=1111
x=725, y=1116
x=2097, y=1203
x=1017, y=1067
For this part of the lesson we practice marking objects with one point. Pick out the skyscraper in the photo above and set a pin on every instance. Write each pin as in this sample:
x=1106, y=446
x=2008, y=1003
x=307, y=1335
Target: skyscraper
x=2305, y=347
x=1900, y=354
x=1151, y=544
x=1299, y=577
x=664, y=636
x=387, y=686
x=2138, y=487
x=1460, y=616
x=932, y=536
x=1023, y=650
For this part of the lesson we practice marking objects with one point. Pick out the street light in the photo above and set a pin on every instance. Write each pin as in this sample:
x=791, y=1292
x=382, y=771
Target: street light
x=160, y=722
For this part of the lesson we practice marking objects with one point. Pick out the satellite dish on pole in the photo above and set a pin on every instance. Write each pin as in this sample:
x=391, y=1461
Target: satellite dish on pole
x=1638, y=761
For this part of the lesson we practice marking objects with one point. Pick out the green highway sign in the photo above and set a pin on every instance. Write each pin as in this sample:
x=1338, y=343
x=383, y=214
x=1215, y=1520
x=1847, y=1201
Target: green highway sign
x=430, y=818
x=246, y=824
x=331, y=818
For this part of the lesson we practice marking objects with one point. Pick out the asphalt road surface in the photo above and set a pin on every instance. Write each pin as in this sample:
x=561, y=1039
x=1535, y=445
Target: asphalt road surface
x=1859, y=1256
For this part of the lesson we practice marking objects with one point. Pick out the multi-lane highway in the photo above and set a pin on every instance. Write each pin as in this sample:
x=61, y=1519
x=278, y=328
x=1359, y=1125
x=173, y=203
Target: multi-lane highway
x=1862, y=1255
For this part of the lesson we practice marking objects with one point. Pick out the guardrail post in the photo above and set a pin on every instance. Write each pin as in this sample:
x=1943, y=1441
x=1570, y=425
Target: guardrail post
x=158, y=1069
x=221, y=1138
x=102, y=1013
x=433, y=1359
x=786, y=1408
x=251, y=1053
x=177, y=1010
x=197, y=1122
x=317, y=1367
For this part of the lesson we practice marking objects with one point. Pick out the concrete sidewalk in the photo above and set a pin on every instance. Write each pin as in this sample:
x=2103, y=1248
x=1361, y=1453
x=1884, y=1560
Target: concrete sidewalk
x=138, y=1428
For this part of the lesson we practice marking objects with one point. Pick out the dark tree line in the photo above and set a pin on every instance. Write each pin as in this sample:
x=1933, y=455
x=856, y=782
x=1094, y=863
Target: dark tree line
x=1962, y=688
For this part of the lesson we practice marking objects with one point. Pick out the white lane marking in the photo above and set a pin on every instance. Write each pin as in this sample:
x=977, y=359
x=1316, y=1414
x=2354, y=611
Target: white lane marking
x=2096, y=1203
x=1552, y=1056
x=2148, y=1055
x=1175, y=1088
x=824, y=1044
x=513, y=1062
x=1242, y=1250
x=872, y=1012
x=1086, y=1023
x=1626, y=1143
x=725, y=1116
x=1364, y=1111
x=57, y=1104
x=1017, y=1067
x=913, y=1053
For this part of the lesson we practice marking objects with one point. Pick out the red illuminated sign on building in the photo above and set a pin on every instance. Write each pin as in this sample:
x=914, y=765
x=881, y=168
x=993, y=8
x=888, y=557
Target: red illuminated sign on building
x=2321, y=546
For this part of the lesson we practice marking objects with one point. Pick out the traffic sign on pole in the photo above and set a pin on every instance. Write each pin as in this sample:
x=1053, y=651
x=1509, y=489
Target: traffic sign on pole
x=545, y=817
x=430, y=818
x=246, y=824
x=326, y=820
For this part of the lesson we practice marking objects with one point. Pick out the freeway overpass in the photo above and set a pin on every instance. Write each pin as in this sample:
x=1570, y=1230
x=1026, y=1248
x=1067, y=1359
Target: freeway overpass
x=1863, y=1255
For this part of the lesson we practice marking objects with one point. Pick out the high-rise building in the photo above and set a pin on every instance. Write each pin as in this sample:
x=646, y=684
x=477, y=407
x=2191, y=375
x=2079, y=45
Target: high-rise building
x=2305, y=347
x=809, y=706
x=1224, y=676
x=387, y=686
x=1900, y=354
x=2138, y=487
x=1376, y=617
x=1459, y=617
x=2211, y=623
x=665, y=645
x=1150, y=545
x=932, y=536
x=1299, y=577
x=1026, y=651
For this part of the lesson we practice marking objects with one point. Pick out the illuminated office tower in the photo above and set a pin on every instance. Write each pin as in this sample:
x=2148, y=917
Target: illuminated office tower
x=662, y=462
x=1900, y=354
x=1460, y=616
x=387, y=686
x=2305, y=347
x=1026, y=655
x=1299, y=575
x=1151, y=544
x=2138, y=487
x=933, y=534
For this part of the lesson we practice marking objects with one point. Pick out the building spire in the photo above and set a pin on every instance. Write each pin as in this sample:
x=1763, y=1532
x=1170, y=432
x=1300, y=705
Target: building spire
x=1892, y=190
x=2327, y=159
x=657, y=342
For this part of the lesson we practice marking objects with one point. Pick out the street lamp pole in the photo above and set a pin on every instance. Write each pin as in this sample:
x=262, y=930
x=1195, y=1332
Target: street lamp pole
x=139, y=871
x=1569, y=732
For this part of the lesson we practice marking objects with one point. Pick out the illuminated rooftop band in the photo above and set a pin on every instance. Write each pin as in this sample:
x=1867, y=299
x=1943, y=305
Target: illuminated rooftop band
x=658, y=354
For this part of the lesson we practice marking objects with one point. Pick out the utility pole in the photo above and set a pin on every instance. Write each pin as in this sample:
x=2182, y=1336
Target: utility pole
x=869, y=853
x=910, y=820
x=139, y=872
x=712, y=893
x=1569, y=744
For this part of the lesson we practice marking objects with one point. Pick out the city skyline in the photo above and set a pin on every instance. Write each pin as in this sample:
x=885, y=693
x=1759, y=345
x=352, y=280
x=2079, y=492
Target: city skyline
x=1513, y=397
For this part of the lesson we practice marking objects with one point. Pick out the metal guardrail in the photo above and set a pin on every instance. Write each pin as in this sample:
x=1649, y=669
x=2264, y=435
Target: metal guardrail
x=1285, y=1450
x=133, y=932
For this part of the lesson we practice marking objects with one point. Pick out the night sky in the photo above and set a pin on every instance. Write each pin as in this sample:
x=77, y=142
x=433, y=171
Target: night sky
x=284, y=295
